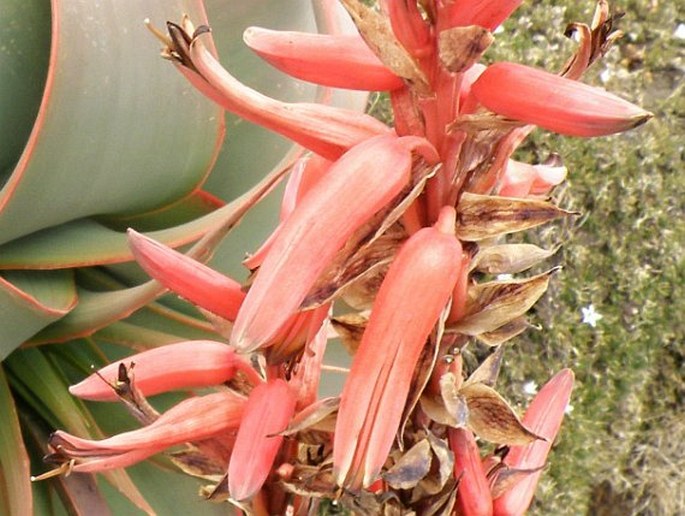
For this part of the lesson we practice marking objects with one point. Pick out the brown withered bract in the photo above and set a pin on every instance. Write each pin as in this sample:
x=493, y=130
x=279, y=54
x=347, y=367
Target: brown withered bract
x=460, y=47
x=488, y=216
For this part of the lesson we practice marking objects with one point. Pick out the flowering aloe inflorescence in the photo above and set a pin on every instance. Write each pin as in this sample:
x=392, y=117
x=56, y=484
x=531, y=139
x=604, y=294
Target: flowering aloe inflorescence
x=399, y=222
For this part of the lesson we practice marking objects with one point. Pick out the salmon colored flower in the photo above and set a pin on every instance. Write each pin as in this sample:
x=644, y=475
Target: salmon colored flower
x=268, y=411
x=187, y=277
x=194, y=419
x=357, y=186
x=340, y=61
x=183, y=365
x=561, y=105
x=488, y=14
x=473, y=490
x=413, y=294
x=326, y=130
x=305, y=173
x=543, y=417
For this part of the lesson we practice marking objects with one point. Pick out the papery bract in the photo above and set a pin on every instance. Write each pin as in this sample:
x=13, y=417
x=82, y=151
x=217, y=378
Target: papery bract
x=268, y=410
x=414, y=292
x=183, y=365
x=357, y=186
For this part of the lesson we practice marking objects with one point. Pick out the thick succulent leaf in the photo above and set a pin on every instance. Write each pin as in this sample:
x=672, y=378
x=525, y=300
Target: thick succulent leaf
x=14, y=462
x=104, y=83
x=98, y=309
x=30, y=301
x=25, y=43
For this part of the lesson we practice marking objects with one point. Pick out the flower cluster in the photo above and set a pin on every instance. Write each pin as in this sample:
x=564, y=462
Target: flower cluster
x=404, y=224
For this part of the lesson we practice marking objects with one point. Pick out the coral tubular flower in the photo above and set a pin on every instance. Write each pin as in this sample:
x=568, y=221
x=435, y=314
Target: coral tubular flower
x=413, y=294
x=326, y=130
x=473, y=495
x=186, y=277
x=558, y=104
x=543, y=417
x=268, y=411
x=357, y=186
x=488, y=14
x=306, y=172
x=340, y=61
x=193, y=419
x=183, y=365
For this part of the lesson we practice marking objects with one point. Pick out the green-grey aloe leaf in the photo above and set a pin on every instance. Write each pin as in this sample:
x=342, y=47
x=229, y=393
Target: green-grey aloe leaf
x=31, y=300
x=14, y=461
x=117, y=131
x=25, y=44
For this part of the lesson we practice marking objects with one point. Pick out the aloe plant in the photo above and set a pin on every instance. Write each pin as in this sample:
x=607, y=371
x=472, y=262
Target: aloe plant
x=101, y=135
x=401, y=220
x=405, y=223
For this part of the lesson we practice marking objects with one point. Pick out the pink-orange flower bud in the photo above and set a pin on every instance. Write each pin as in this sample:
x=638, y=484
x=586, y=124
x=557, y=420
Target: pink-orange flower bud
x=356, y=187
x=339, y=61
x=473, y=492
x=186, y=277
x=414, y=292
x=558, y=104
x=193, y=419
x=268, y=411
x=183, y=365
x=488, y=14
x=326, y=130
x=543, y=418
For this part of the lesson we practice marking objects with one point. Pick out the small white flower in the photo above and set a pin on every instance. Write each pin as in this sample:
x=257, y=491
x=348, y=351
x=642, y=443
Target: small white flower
x=679, y=31
x=530, y=388
x=590, y=315
x=568, y=409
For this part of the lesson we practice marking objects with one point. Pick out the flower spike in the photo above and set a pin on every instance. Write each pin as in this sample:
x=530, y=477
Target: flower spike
x=555, y=103
x=413, y=294
x=183, y=365
x=357, y=186
x=340, y=61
